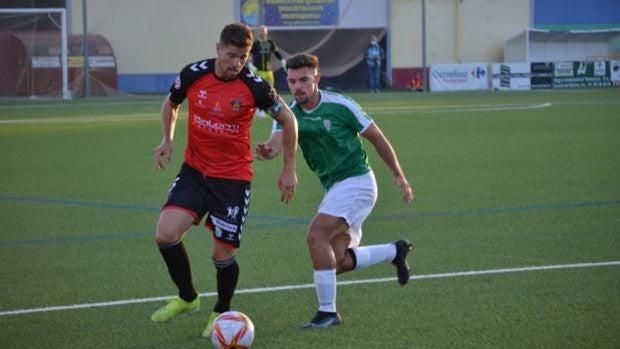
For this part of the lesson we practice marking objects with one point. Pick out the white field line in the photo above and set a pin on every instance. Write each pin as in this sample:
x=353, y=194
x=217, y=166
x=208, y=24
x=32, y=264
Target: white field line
x=459, y=108
x=106, y=103
x=93, y=118
x=302, y=286
x=393, y=109
x=404, y=109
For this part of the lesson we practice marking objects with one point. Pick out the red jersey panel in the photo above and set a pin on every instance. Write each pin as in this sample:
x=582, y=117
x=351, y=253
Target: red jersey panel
x=220, y=115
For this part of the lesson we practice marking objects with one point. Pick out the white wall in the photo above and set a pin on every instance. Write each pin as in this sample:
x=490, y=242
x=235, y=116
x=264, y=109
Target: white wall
x=406, y=36
x=515, y=49
x=156, y=36
x=567, y=51
x=464, y=31
x=160, y=36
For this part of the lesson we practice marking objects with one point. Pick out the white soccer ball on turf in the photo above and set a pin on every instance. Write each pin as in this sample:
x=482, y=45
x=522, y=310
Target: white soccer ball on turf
x=232, y=330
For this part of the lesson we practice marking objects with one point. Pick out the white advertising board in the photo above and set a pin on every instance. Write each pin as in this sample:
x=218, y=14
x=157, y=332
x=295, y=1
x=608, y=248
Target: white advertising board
x=614, y=67
x=511, y=76
x=459, y=77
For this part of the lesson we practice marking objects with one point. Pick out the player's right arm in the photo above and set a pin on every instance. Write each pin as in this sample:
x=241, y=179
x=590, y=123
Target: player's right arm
x=169, y=116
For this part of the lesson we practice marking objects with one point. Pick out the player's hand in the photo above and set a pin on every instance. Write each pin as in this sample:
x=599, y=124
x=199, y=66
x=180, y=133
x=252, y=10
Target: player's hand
x=287, y=184
x=163, y=154
x=408, y=193
x=264, y=151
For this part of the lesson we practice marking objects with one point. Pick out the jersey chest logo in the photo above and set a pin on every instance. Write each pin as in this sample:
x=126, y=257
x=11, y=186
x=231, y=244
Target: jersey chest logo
x=327, y=124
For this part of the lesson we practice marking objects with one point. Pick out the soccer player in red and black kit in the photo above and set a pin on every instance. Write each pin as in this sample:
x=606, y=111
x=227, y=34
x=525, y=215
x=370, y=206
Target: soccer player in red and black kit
x=214, y=179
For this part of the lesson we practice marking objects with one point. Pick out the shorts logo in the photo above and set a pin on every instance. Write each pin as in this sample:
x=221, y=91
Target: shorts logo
x=218, y=232
x=224, y=225
x=232, y=212
x=177, y=83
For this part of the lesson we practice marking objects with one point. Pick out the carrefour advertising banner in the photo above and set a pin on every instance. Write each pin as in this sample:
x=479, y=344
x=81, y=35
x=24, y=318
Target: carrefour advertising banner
x=459, y=77
x=581, y=74
x=286, y=13
x=511, y=76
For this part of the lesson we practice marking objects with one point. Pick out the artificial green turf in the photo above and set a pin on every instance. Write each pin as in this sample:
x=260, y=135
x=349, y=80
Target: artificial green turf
x=503, y=180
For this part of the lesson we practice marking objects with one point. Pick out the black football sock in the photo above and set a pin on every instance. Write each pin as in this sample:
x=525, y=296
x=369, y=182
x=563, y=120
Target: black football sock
x=179, y=269
x=227, y=273
x=353, y=257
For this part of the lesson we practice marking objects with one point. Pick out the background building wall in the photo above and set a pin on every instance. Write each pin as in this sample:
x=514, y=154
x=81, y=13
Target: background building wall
x=485, y=26
x=156, y=36
x=153, y=39
x=464, y=31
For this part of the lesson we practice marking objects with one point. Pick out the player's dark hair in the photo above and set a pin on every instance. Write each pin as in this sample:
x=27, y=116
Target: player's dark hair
x=302, y=60
x=237, y=34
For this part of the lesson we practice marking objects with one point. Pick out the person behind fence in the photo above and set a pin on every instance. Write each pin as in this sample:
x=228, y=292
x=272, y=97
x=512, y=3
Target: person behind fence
x=374, y=55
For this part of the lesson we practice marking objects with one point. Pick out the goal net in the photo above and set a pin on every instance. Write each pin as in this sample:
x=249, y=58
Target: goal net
x=33, y=53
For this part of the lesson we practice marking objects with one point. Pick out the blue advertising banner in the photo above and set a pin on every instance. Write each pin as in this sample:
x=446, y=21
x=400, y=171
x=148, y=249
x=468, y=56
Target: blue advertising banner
x=288, y=13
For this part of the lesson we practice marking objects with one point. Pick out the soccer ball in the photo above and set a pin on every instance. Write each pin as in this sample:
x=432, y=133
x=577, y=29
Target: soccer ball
x=232, y=330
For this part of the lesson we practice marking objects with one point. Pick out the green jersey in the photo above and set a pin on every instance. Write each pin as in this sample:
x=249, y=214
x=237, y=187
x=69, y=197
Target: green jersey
x=329, y=138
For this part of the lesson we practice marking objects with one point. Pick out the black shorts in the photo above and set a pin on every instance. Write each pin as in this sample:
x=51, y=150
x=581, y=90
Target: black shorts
x=224, y=201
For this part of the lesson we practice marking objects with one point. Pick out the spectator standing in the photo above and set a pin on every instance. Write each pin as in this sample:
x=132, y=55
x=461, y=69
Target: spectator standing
x=374, y=55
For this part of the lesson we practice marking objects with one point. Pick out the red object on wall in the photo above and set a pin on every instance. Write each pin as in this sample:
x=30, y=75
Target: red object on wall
x=401, y=77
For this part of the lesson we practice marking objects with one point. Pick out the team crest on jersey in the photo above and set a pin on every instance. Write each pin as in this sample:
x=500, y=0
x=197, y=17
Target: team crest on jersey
x=327, y=124
x=236, y=104
x=177, y=83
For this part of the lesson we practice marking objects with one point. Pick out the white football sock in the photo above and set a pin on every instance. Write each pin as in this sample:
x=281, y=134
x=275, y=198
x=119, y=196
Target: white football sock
x=325, y=285
x=374, y=254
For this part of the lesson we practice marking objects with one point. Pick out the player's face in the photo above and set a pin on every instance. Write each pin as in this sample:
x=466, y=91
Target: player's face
x=304, y=85
x=230, y=60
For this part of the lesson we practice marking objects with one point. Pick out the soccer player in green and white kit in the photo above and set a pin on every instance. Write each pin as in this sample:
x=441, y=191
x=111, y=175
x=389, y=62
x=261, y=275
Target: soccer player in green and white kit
x=329, y=128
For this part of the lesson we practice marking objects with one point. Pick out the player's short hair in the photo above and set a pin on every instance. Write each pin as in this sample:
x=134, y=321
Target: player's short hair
x=302, y=60
x=237, y=34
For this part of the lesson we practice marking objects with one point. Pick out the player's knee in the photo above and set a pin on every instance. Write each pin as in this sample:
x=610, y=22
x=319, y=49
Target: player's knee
x=223, y=252
x=315, y=239
x=164, y=235
x=164, y=239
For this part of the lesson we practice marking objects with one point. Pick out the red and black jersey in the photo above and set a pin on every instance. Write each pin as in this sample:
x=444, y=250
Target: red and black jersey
x=220, y=115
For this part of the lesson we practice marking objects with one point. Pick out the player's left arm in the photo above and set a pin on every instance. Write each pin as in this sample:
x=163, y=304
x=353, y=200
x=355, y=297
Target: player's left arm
x=385, y=150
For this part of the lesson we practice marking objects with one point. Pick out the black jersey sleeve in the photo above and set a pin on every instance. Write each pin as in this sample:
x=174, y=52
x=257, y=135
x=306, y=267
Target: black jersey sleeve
x=265, y=95
x=188, y=75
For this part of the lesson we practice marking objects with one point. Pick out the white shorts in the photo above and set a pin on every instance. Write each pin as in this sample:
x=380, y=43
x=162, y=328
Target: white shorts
x=353, y=200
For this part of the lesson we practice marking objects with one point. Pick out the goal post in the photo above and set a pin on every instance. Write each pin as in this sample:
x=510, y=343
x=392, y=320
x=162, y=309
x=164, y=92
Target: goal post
x=66, y=94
